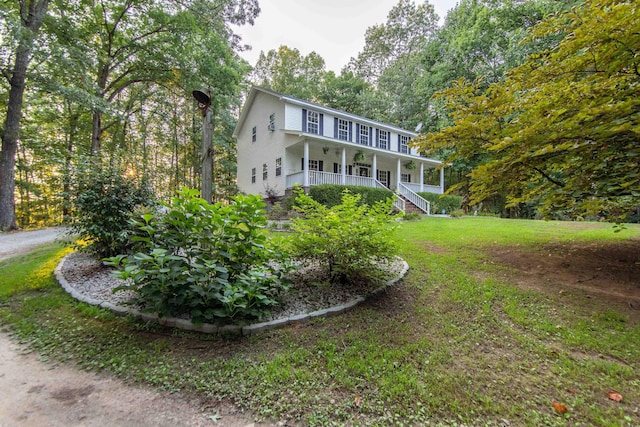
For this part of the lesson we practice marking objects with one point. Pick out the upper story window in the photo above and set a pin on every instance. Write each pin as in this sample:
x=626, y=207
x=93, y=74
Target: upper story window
x=363, y=135
x=265, y=169
x=343, y=130
x=313, y=122
x=403, y=144
x=254, y=134
x=383, y=139
x=253, y=175
x=279, y=166
x=272, y=122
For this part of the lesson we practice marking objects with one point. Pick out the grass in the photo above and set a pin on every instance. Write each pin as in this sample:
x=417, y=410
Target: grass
x=454, y=344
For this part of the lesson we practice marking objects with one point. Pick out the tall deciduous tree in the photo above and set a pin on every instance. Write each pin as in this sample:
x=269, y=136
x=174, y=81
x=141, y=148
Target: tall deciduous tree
x=406, y=31
x=564, y=127
x=286, y=70
x=31, y=15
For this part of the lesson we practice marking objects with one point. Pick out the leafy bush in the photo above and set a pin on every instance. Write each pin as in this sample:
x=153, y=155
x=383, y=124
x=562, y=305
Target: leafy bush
x=349, y=240
x=440, y=202
x=103, y=203
x=210, y=262
x=331, y=195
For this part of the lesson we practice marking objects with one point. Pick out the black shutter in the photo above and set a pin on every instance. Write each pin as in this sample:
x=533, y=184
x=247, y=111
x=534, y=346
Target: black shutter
x=335, y=127
x=371, y=136
x=302, y=164
x=399, y=144
x=350, y=170
x=377, y=142
x=389, y=179
x=304, y=120
x=358, y=133
x=335, y=168
x=321, y=124
x=350, y=133
x=320, y=165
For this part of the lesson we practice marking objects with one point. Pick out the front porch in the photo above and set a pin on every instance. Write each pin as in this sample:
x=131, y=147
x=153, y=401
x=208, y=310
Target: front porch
x=405, y=192
x=320, y=178
x=309, y=162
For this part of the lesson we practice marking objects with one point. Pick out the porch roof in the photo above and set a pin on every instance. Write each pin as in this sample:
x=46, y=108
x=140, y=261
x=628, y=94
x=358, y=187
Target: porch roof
x=334, y=143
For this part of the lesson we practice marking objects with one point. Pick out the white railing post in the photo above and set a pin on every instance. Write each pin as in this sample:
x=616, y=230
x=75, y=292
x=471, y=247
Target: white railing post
x=421, y=177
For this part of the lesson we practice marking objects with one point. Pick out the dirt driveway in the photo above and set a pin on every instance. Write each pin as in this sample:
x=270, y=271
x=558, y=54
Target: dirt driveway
x=37, y=394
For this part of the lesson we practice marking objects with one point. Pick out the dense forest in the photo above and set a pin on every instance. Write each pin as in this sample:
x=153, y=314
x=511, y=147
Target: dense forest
x=534, y=105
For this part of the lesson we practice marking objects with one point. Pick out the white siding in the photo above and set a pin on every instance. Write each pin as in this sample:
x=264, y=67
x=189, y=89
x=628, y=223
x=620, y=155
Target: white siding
x=268, y=146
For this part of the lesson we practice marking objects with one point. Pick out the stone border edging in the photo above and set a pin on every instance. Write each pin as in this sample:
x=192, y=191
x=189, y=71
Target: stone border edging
x=209, y=328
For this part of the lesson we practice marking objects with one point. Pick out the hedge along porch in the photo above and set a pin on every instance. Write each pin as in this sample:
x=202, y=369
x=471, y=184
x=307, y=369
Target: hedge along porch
x=284, y=141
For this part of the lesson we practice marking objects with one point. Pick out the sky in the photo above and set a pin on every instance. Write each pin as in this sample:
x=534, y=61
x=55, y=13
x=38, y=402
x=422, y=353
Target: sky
x=334, y=29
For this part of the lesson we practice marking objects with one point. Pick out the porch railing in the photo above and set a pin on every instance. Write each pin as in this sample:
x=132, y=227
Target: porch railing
x=319, y=178
x=428, y=188
x=414, y=198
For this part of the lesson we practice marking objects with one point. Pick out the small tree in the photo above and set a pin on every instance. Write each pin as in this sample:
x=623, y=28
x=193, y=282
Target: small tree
x=103, y=205
x=350, y=240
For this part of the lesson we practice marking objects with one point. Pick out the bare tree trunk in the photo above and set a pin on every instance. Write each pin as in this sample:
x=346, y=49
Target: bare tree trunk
x=32, y=13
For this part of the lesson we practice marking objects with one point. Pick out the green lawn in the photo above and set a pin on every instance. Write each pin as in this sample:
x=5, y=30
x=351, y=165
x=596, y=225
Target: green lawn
x=457, y=343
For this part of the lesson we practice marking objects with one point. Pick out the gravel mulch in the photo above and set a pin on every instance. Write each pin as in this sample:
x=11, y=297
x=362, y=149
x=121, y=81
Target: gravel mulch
x=92, y=279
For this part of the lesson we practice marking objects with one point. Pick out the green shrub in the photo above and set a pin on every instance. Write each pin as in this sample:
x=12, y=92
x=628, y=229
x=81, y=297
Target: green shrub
x=210, y=262
x=331, y=195
x=440, y=202
x=350, y=240
x=103, y=203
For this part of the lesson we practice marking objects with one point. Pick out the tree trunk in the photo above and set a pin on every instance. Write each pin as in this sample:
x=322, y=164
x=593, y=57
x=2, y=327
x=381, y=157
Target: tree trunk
x=32, y=13
x=96, y=133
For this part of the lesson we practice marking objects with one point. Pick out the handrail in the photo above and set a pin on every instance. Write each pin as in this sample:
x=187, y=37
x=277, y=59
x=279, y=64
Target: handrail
x=398, y=202
x=414, y=198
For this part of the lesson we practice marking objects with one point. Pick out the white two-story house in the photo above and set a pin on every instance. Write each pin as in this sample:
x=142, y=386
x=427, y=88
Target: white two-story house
x=283, y=141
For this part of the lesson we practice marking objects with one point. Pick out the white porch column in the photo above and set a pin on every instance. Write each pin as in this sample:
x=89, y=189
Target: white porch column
x=305, y=166
x=398, y=173
x=421, y=177
x=344, y=166
x=442, y=180
x=374, y=166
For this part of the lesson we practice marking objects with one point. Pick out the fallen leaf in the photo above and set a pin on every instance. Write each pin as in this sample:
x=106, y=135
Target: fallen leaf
x=615, y=396
x=560, y=408
x=357, y=401
x=572, y=390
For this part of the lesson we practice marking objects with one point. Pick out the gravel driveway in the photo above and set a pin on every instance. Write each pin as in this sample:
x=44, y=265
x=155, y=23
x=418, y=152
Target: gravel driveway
x=37, y=394
x=20, y=242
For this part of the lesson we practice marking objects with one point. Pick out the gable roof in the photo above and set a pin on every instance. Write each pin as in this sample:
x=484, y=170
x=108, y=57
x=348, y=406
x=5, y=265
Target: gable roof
x=311, y=105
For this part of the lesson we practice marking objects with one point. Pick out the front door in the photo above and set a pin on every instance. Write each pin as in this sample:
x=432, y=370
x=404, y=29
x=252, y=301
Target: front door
x=384, y=177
